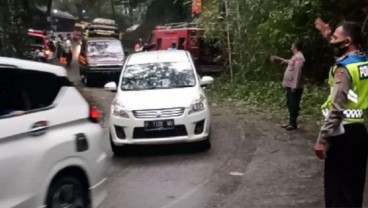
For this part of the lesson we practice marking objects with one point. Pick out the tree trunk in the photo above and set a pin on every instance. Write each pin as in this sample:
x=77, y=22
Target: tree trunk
x=229, y=48
x=113, y=9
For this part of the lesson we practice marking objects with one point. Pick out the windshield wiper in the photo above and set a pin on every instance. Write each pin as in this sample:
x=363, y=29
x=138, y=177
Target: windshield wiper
x=148, y=88
x=182, y=86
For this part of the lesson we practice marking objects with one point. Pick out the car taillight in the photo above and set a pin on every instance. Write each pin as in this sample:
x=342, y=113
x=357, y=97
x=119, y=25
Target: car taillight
x=94, y=115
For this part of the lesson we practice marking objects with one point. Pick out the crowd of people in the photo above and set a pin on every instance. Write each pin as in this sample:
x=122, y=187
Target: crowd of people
x=62, y=47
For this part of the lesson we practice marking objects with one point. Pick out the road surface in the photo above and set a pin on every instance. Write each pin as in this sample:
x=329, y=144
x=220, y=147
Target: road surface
x=253, y=163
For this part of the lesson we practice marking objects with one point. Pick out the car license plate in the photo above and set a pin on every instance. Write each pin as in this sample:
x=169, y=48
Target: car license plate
x=159, y=125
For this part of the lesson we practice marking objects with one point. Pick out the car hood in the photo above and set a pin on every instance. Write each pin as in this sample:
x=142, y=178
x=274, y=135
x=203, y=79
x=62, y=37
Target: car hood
x=158, y=99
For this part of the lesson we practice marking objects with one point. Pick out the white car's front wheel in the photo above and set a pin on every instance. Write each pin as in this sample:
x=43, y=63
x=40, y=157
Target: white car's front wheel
x=67, y=191
x=205, y=144
x=117, y=150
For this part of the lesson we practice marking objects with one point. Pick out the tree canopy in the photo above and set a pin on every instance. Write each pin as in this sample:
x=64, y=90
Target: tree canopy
x=259, y=29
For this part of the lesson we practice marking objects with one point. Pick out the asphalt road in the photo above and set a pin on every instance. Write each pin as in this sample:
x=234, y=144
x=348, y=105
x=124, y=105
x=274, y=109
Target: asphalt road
x=252, y=163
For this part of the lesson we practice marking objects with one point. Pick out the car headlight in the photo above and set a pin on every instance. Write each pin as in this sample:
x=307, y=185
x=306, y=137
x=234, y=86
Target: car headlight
x=198, y=105
x=119, y=110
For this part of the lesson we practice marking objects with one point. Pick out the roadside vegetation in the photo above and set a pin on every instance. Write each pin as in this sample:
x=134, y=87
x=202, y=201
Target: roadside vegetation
x=247, y=31
x=250, y=31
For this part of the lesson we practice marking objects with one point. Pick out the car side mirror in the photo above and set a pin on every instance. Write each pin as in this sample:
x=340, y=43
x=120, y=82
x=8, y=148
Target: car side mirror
x=111, y=86
x=206, y=80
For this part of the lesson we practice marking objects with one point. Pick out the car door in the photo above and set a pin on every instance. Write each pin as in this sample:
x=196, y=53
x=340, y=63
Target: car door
x=26, y=135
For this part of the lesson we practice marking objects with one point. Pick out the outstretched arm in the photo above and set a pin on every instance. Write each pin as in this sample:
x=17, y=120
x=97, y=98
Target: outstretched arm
x=273, y=58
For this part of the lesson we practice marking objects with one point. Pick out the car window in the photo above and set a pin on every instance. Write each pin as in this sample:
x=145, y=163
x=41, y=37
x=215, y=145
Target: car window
x=41, y=87
x=25, y=91
x=104, y=48
x=164, y=75
x=12, y=96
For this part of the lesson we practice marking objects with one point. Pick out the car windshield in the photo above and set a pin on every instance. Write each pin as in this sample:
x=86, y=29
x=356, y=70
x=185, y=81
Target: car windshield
x=35, y=40
x=104, y=48
x=166, y=75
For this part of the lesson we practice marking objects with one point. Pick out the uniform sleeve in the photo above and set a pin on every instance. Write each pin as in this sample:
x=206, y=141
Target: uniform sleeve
x=342, y=85
x=298, y=65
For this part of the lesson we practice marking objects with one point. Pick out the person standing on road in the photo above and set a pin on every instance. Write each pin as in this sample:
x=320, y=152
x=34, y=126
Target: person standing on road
x=68, y=49
x=52, y=47
x=173, y=46
x=293, y=83
x=139, y=46
x=343, y=139
x=59, y=46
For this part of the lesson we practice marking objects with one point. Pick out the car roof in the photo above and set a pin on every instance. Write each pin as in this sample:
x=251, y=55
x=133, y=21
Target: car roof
x=32, y=65
x=159, y=57
x=37, y=35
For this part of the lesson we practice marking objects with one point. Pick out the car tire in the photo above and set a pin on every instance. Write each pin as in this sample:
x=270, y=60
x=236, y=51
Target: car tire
x=81, y=74
x=68, y=191
x=87, y=80
x=205, y=145
x=117, y=150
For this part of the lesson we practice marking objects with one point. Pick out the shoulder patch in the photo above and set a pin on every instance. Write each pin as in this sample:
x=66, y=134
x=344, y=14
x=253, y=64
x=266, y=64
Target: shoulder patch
x=338, y=75
x=363, y=71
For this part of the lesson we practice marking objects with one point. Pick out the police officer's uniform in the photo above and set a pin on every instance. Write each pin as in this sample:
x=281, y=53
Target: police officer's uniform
x=344, y=132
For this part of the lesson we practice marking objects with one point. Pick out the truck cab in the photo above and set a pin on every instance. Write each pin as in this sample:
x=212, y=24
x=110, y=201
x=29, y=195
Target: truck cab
x=189, y=37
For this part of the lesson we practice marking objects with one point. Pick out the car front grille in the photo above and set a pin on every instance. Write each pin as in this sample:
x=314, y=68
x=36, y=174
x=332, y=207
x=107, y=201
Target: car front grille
x=107, y=67
x=160, y=113
x=140, y=133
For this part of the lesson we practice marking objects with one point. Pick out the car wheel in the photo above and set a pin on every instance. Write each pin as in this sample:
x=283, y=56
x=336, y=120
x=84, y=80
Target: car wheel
x=81, y=74
x=205, y=144
x=87, y=81
x=67, y=192
x=117, y=150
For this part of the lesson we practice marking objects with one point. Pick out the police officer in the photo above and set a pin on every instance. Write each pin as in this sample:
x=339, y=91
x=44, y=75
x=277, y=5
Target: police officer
x=293, y=83
x=343, y=138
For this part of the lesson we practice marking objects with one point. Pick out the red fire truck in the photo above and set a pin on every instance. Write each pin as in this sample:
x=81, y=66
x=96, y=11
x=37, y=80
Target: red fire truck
x=186, y=36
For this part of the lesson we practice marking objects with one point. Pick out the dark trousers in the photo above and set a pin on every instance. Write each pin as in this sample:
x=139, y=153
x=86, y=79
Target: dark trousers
x=69, y=57
x=345, y=167
x=293, y=104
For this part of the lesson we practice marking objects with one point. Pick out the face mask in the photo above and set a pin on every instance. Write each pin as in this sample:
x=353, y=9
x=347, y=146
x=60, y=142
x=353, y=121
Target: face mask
x=339, y=48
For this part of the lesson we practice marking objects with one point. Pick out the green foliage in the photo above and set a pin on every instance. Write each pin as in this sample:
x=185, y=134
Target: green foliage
x=14, y=22
x=262, y=28
x=267, y=97
x=259, y=29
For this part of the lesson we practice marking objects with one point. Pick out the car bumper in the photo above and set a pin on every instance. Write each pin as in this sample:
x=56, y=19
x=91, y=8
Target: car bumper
x=187, y=122
x=112, y=75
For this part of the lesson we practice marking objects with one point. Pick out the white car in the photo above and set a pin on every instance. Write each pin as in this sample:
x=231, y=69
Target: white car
x=159, y=100
x=51, y=152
